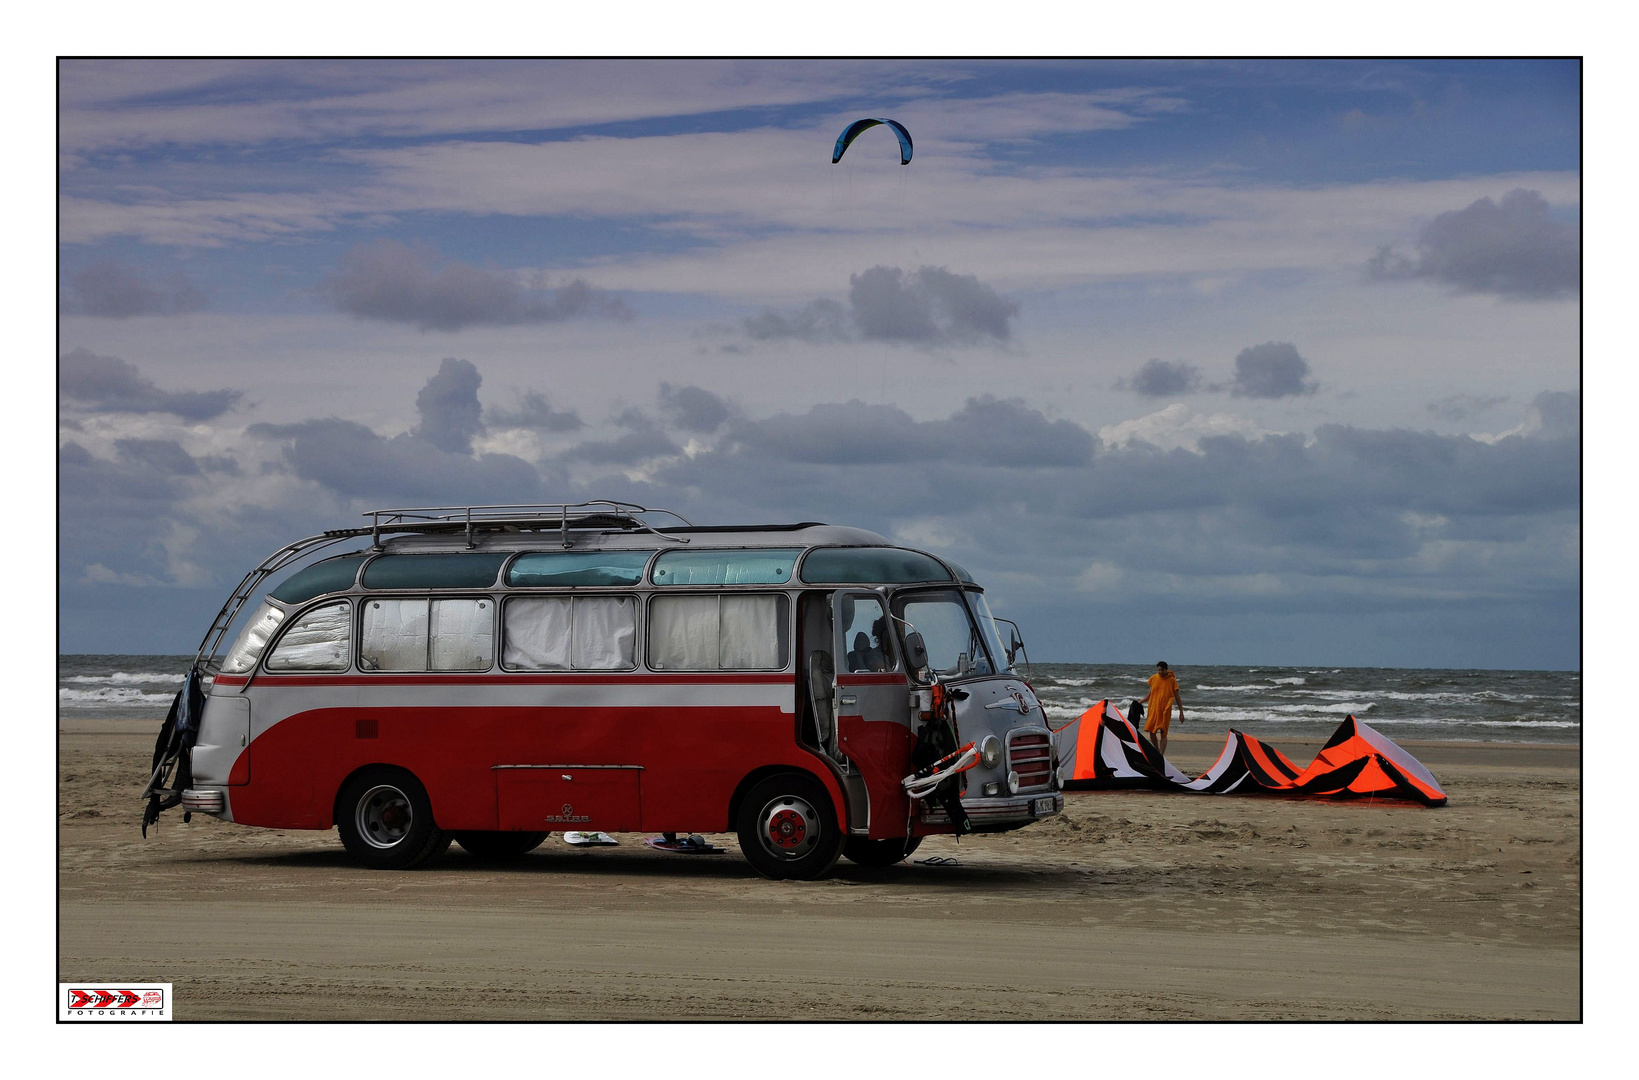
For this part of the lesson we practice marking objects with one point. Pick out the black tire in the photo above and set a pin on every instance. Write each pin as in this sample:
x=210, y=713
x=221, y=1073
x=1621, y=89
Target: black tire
x=386, y=820
x=499, y=846
x=879, y=853
x=788, y=827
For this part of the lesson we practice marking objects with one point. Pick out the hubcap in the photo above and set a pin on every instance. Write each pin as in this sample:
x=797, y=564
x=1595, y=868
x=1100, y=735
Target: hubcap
x=790, y=827
x=384, y=816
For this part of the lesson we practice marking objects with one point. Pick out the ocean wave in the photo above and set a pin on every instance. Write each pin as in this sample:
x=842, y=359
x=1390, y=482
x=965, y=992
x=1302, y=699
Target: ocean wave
x=112, y=695
x=1074, y=682
x=1463, y=721
x=1296, y=680
x=1247, y=687
x=126, y=678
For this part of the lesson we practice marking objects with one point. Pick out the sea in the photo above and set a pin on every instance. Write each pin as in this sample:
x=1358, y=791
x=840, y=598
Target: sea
x=1461, y=704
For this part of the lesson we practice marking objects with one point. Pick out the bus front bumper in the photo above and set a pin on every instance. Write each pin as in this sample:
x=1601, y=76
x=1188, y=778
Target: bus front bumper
x=1000, y=813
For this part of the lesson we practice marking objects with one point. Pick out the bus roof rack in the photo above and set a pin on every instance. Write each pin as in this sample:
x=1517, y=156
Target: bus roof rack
x=595, y=514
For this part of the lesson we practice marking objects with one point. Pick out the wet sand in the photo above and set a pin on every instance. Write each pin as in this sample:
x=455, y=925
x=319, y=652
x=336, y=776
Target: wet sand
x=1131, y=906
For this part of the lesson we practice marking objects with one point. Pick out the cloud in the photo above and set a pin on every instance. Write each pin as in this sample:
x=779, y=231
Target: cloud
x=534, y=413
x=986, y=431
x=1163, y=378
x=1271, y=370
x=1462, y=406
x=393, y=282
x=930, y=306
x=111, y=385
x=113, y=291
x=448, y=404
x=1177, y=426
x=163, y=455
x=693, y=409
x=1514, y=250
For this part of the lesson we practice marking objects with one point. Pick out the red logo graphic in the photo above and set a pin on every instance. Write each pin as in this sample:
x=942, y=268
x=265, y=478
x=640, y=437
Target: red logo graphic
x=115, y=999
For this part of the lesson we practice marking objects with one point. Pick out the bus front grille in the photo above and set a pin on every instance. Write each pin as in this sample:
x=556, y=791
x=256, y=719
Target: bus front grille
x=1030, y=754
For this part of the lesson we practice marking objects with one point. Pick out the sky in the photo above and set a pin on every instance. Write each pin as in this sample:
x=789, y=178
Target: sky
x=1269, y=362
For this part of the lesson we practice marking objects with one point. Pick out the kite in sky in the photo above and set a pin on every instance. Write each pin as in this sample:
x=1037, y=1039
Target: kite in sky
x=852, y=132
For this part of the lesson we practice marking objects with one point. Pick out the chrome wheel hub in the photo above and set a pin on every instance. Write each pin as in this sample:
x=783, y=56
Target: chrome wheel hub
x=789, y=827
x=383, y=816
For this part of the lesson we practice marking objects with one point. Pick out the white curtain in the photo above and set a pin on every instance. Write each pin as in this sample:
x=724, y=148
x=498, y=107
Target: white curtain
x=248, y=649
x=320, y=640
x=463, y=635
x=605, y=633
x=395, y=635
x=683, y=633
x=750, y=632
x=537, y=634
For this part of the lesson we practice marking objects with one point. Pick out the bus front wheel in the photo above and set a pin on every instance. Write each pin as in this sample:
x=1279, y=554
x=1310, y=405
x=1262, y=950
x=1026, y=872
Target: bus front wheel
x=386, y=820
x=788, y=828
x=500, y=845
x=879, y=853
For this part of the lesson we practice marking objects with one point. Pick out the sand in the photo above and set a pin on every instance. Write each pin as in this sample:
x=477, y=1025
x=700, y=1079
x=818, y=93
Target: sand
x=1131, y=906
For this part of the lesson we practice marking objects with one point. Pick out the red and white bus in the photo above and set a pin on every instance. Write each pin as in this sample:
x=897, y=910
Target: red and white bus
x=490, y=675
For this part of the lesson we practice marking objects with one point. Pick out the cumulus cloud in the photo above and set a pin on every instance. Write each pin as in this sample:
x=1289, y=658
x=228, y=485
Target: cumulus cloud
x=693, y=409
x=1271, y=370
x=1177, y=426
x=393, y=282
x=534, y=413
x=448, y=404
x=1462, y=406
x=163, y=455
x=114, y=291
x=1163, y=378
x=108, y=384
x=1513, y=249
x=929, y=306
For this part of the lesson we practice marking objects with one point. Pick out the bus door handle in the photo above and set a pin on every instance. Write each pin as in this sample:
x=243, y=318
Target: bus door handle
x=849, y=699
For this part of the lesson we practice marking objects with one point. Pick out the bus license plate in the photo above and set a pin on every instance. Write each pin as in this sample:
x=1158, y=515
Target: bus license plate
x=1042, y=806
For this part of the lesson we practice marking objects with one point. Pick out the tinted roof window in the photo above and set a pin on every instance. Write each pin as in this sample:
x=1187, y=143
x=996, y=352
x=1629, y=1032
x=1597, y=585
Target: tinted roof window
x=545, y=568
x=332, y=575
x=475, y=571
x=761, y=566
x=887, y=566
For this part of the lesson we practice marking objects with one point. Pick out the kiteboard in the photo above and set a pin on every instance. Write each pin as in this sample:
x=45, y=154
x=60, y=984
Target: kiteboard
x=693, y=844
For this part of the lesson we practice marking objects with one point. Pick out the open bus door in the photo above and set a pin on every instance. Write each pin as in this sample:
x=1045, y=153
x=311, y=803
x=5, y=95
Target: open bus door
x=872, y=705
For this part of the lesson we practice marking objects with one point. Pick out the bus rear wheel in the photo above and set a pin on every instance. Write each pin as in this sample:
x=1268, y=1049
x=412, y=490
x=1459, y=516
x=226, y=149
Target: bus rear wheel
x=386, y=820
x=497, y=846
x=879, y=853
x=788, y=828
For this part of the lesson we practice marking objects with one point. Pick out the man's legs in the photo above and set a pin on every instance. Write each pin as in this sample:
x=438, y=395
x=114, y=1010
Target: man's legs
x=1161, y=741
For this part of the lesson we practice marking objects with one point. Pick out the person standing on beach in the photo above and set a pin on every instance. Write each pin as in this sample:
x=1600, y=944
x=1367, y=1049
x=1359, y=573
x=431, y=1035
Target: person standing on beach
x=1158, y=711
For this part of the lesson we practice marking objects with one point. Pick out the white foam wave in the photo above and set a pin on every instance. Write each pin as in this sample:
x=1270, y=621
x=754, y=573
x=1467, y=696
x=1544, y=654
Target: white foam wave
x=112, y=695
x=1463, y=721
x=1073, y=682
x=1296, y=680
x=1246, y=687
x=125, y=678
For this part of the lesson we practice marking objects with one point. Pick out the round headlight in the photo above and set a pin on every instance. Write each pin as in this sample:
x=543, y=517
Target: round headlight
x=990, y=751
x=1012, y=783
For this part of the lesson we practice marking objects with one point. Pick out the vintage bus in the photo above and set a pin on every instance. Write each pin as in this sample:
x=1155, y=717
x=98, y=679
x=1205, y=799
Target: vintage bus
x=490, y=675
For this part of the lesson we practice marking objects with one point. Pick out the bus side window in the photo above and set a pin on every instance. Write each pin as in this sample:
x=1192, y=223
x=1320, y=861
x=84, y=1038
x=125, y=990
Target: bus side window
x=427, y=635
x=320, y=640
x=561, y=633
x=718, y=633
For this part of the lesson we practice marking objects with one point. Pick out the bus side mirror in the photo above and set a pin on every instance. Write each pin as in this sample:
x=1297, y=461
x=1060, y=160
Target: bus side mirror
x=916, y=651
x=1013, y=647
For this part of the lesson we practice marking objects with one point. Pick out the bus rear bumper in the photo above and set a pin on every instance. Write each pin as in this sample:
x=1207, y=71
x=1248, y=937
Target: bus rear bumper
x=206, y=801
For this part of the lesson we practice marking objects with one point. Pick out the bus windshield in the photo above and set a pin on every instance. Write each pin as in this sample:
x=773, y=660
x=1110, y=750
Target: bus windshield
x=954, y=645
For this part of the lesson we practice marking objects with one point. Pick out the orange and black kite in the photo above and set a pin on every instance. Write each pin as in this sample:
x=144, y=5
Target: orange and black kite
x=1103, y=749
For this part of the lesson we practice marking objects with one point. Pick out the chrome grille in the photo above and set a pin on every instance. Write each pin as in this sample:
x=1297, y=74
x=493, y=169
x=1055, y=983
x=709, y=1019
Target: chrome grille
x=1030, y=754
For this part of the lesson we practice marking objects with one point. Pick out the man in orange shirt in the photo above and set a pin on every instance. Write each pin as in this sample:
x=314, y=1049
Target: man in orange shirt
x=1158, y=711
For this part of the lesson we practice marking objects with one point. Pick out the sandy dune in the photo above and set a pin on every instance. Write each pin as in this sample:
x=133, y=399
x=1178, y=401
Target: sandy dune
x=1130, y=906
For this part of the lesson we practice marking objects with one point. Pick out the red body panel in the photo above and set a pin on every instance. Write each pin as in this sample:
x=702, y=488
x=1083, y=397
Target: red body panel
x=690, y=759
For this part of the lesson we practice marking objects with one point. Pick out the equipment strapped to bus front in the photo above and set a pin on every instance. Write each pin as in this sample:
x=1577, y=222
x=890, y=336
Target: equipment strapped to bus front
x=940, y=762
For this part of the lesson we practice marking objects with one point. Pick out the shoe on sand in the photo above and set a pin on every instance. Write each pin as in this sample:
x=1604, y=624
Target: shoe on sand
x=694, y=844
x=590, y=839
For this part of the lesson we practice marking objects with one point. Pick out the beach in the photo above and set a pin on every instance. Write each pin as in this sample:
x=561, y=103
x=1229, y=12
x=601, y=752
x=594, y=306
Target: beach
x=1130, y=906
